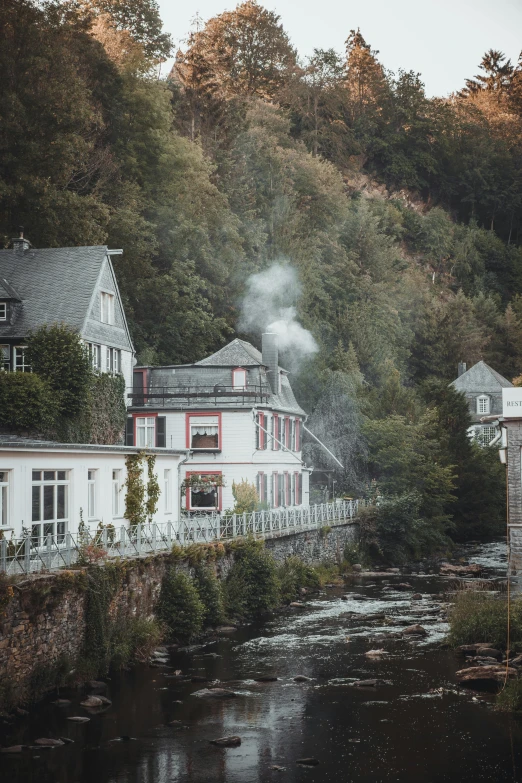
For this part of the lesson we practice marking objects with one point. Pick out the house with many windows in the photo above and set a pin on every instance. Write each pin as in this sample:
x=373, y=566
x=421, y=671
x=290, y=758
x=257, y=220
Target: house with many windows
x=75, y=286
x=482, y=386
x=236, y=414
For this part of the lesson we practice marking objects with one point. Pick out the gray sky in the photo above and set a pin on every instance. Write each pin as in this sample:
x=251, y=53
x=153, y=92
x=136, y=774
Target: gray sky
x=444, y=40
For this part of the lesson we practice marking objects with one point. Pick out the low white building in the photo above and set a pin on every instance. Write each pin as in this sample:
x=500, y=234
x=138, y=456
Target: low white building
x=47, y=488
x=236, y=414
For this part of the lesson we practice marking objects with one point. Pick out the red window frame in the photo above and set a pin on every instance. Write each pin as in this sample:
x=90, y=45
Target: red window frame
x=298, y=434
x=188, y=505
x=261, y=434
x=261, y=484
x=275, y=443
x=287, y=488
x=190, y=415
x=234, y=371
x=144, y=415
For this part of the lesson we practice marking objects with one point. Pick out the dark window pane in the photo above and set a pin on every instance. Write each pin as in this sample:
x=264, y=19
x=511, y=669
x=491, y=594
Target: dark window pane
x=35, y=535
x=3, y=476
x=206, y=499
x=60, y=532
x=61, y=511
x=48, y=530
x=37, y=475
x=36, y=504
x=48, y=475
x=48, y=501
x=61, y=475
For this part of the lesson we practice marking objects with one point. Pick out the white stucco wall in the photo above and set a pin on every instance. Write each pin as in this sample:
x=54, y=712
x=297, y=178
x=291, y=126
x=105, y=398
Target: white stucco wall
x=20, y=464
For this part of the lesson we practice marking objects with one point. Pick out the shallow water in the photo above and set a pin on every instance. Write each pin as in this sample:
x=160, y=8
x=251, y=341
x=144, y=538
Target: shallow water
x=396, y=732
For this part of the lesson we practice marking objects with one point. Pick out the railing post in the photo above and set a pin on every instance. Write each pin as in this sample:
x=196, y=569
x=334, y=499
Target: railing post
x=245, y=525
x=234, y=525
x=169, y=534
x=68, y=548
x=138, y=538
x=49, y=547
x=154, y=543
x=3, y=556
x=105, y=539
x=123, y=541
x=27, y=555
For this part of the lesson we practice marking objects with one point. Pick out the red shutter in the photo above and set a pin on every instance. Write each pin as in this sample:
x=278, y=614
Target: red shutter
x=298, y=435
x=299, y=483
x=276, y=431
x=287, y=488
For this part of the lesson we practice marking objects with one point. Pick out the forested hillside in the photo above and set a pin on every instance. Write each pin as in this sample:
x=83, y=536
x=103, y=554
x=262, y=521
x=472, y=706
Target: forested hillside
x=401, y=216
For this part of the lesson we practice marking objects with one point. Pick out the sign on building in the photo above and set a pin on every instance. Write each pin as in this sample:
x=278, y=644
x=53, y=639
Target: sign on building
x=512, y=403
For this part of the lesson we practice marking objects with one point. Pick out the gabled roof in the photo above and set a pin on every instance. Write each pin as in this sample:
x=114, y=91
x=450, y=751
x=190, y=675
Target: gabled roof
x=481, y=378
x=238, y=353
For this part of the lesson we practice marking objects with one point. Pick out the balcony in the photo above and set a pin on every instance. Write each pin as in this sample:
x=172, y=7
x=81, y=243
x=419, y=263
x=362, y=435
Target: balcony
x=198, y=396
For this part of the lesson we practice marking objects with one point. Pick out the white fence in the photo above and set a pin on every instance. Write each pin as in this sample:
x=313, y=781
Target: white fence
x=22, y=556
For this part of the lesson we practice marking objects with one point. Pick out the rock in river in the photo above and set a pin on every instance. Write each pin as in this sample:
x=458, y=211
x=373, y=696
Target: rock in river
x=79, y=719
x=484, y=674
x=370, y=683
x=302, y=678
x=13, y=749
x=227, y=742
x=215, y=693
x=375, y=653
x=308, y=762
x=415, y=630
x=473, y=569
x=46, y=742
x=92, y=701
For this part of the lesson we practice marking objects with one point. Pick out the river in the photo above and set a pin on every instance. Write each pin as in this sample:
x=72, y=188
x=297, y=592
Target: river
x=420, y=727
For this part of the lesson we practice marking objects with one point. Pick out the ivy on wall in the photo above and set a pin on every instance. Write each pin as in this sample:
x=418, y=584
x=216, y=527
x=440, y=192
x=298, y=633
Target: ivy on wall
x=141, y=500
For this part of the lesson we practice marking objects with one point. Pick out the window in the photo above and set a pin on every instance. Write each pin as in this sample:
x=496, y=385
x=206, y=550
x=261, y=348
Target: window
x=167, y=492
x=50, y=505
x=262, y=487
x=288, y=441
x=483, y=404
x=298, y=435
x=107, y=307
x=112, y=360
x=145, y=431
x=275, y=489
x=20, y=360
x=203, y=492
x=287, y=489
x=3, y=311
x=91, y=494
x=281, y=499
x=261, y=434
x=292, y=489
x=116, y=488
x=239, y=379
x=4, y=498
x=95, y=356
x=486, y=434
x=5, y=358
x=275, y=432
x=203, y=432
x=299, y=488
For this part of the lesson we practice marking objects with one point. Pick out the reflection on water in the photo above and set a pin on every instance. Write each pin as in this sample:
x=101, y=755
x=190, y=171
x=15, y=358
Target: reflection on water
x=419, y=727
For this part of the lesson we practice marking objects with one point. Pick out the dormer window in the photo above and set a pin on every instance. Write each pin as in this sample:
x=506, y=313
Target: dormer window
x=107, y=307
x=239, y=379
x=483, y=404
x=3, y=311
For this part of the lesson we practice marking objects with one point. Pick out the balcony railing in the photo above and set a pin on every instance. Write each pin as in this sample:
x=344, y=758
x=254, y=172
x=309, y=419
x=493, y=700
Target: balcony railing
x=23, y=556
x=186, y=395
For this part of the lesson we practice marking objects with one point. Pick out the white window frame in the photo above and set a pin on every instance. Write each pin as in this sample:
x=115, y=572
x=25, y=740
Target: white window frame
x=3, y=311
x=4, y=498
x=197, y=422
x=145, y=431
x=92, y=475
x=107, y=307
x=56, y=526
x=116, y=489
x=167, y=491
x=481, y=434
x=483, y=404
x=19, y=350
x=239, y=379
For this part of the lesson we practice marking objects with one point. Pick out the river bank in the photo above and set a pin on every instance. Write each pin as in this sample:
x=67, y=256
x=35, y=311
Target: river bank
x=416, y=725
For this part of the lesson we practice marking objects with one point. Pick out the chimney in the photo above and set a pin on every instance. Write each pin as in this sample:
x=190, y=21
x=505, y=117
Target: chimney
x=461, y=369
x=271, y=360
x=19, y=243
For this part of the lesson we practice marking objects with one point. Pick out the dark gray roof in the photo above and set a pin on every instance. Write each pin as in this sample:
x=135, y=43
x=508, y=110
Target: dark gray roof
x=30, y=444
x=7, y=291
x=238, y=353
x=481, y=378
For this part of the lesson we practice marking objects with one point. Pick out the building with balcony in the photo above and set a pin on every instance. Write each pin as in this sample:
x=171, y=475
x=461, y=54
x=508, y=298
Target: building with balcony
x=236, y=414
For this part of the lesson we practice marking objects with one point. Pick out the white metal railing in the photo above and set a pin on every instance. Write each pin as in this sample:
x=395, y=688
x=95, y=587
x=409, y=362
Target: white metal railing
x=24, y=556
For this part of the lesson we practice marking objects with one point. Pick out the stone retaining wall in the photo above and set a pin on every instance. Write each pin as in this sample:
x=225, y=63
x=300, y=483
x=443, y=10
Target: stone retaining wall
x=44, y=620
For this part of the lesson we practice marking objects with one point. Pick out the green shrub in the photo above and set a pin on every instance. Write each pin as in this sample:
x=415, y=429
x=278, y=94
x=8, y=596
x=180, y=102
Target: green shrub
x=27, y=403
x=478, y=617
x=510, y=698
x=293, y=574
x=252, y=586
x=211, y=594
x=133, y=640
x=180, y=607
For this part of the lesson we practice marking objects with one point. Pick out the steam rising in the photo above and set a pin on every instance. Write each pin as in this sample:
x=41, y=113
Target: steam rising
x=267, y=307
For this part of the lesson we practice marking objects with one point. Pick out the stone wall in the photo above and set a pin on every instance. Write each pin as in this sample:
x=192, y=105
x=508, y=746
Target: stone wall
x=42, y=620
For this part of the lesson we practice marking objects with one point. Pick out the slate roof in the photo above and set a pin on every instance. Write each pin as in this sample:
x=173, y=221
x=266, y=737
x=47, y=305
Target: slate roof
x=54, y=284
x=481, y=378
x=7, y=291
x=15, y=442
x=238, y=353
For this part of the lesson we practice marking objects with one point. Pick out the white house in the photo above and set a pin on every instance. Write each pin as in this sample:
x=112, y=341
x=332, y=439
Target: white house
x=71, y=285
x=47, y=487
x=236, y=414
x=482, y=386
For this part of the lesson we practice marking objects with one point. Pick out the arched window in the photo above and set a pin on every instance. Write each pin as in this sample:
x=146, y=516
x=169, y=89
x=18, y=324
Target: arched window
x=483, y=404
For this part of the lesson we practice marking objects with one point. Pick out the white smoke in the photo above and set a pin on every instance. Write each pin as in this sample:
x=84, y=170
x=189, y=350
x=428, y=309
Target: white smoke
x=269, y=306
